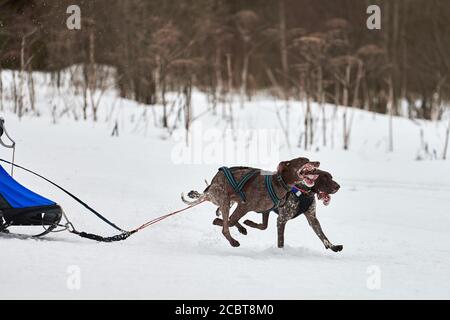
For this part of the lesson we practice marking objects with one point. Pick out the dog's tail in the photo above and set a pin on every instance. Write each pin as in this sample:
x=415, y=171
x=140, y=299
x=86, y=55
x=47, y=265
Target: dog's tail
x=196, y=195
x=199, y=197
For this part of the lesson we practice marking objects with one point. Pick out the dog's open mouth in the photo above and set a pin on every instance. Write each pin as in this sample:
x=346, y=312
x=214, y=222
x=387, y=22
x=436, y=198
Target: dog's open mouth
x=324, y=197
x=306, y=173
x=309, y=181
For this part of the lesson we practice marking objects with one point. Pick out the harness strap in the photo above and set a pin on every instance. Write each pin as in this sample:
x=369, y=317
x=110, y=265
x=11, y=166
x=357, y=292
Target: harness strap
x=227, y=172
x=282, y=183
x=271, y=191
x=245, y=179
x=237, y=187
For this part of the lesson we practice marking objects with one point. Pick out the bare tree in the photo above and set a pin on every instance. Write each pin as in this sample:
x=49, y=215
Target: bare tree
x=24, y=66
x=348, y=71
x=247, y=26
x=447, y=136
x=312, y=49
x=375, y=66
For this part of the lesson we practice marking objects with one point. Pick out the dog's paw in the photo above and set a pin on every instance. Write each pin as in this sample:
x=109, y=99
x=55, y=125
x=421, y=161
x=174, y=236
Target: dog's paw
x=337, y=248
x=217, y=222
x=234, y=243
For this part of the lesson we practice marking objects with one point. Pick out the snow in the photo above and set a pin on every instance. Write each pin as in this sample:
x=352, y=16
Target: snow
x=391, y=213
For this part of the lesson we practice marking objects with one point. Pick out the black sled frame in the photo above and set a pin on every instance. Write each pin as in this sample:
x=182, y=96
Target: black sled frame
x=48, y=217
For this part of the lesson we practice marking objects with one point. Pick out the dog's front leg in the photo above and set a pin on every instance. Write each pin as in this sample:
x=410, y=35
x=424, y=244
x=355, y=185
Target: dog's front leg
x=281, y=225
x=315, y=225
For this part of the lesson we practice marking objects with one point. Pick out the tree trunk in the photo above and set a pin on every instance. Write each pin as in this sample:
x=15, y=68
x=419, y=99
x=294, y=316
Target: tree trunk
x=366, y=95
x=157, y=79
x=283, y=46
x=230, y=88
x=14, y=89
x=164, y=103
x=21, y=77
x=92, y=74
x=85, y=91
x=391, y=114
x=447, y=134
x=359, y=74
x=345, y=102
x=31, y=91
x=187, y=108
x=395, y=73
x=307, y=122
x=337, y=98
x=219, y=80
x=321, y=100
x=244, y=77
x=284, y=59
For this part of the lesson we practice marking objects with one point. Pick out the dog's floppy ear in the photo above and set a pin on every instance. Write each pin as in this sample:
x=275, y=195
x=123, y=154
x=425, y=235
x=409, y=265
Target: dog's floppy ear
x=282, y=165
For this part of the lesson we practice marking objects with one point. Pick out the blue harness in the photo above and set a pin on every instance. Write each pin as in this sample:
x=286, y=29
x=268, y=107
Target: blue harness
x=238, y=186
x=268, y=182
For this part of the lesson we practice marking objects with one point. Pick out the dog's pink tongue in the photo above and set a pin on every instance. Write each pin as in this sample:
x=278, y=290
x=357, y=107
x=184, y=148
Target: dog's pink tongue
x=309, y=182
x=325, y=198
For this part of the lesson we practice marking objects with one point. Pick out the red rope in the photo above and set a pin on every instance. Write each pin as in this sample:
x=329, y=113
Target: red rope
x=149, y=223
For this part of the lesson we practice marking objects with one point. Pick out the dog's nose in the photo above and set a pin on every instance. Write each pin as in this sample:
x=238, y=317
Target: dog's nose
x=337, y=187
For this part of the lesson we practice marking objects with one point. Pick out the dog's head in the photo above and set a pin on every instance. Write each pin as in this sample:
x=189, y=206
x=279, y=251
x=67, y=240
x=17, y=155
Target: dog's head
x=298, y=170
x=324, y=186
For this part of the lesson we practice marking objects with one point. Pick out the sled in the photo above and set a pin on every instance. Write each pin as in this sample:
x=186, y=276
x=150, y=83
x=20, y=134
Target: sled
x=20, y=206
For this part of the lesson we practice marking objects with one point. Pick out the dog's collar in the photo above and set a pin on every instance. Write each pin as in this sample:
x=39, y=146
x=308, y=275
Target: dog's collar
x=280, y=180
x=303, y=189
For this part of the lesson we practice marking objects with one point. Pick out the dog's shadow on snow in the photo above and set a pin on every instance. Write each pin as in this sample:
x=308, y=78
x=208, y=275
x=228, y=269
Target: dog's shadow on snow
x=287, y=252
x=46, y=239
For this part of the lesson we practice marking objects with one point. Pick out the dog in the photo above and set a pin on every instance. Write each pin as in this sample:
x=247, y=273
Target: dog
x=221, y=193
x=303, y=202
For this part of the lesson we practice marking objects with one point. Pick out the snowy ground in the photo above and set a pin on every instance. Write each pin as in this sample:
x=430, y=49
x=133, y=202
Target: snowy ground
x=391, y=214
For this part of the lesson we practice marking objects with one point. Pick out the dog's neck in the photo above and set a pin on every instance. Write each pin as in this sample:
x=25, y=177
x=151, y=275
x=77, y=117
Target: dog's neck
x=279, y=179
x=280, y=186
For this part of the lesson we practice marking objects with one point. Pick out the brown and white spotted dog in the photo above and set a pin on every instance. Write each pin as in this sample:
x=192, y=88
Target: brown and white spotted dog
x=304, y=202
x=222, y=194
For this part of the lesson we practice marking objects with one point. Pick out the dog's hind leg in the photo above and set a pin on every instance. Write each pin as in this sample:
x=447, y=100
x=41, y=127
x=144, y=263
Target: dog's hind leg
x=260, y=226
x=240, y=227
x=225, y=209
x=238, y=213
